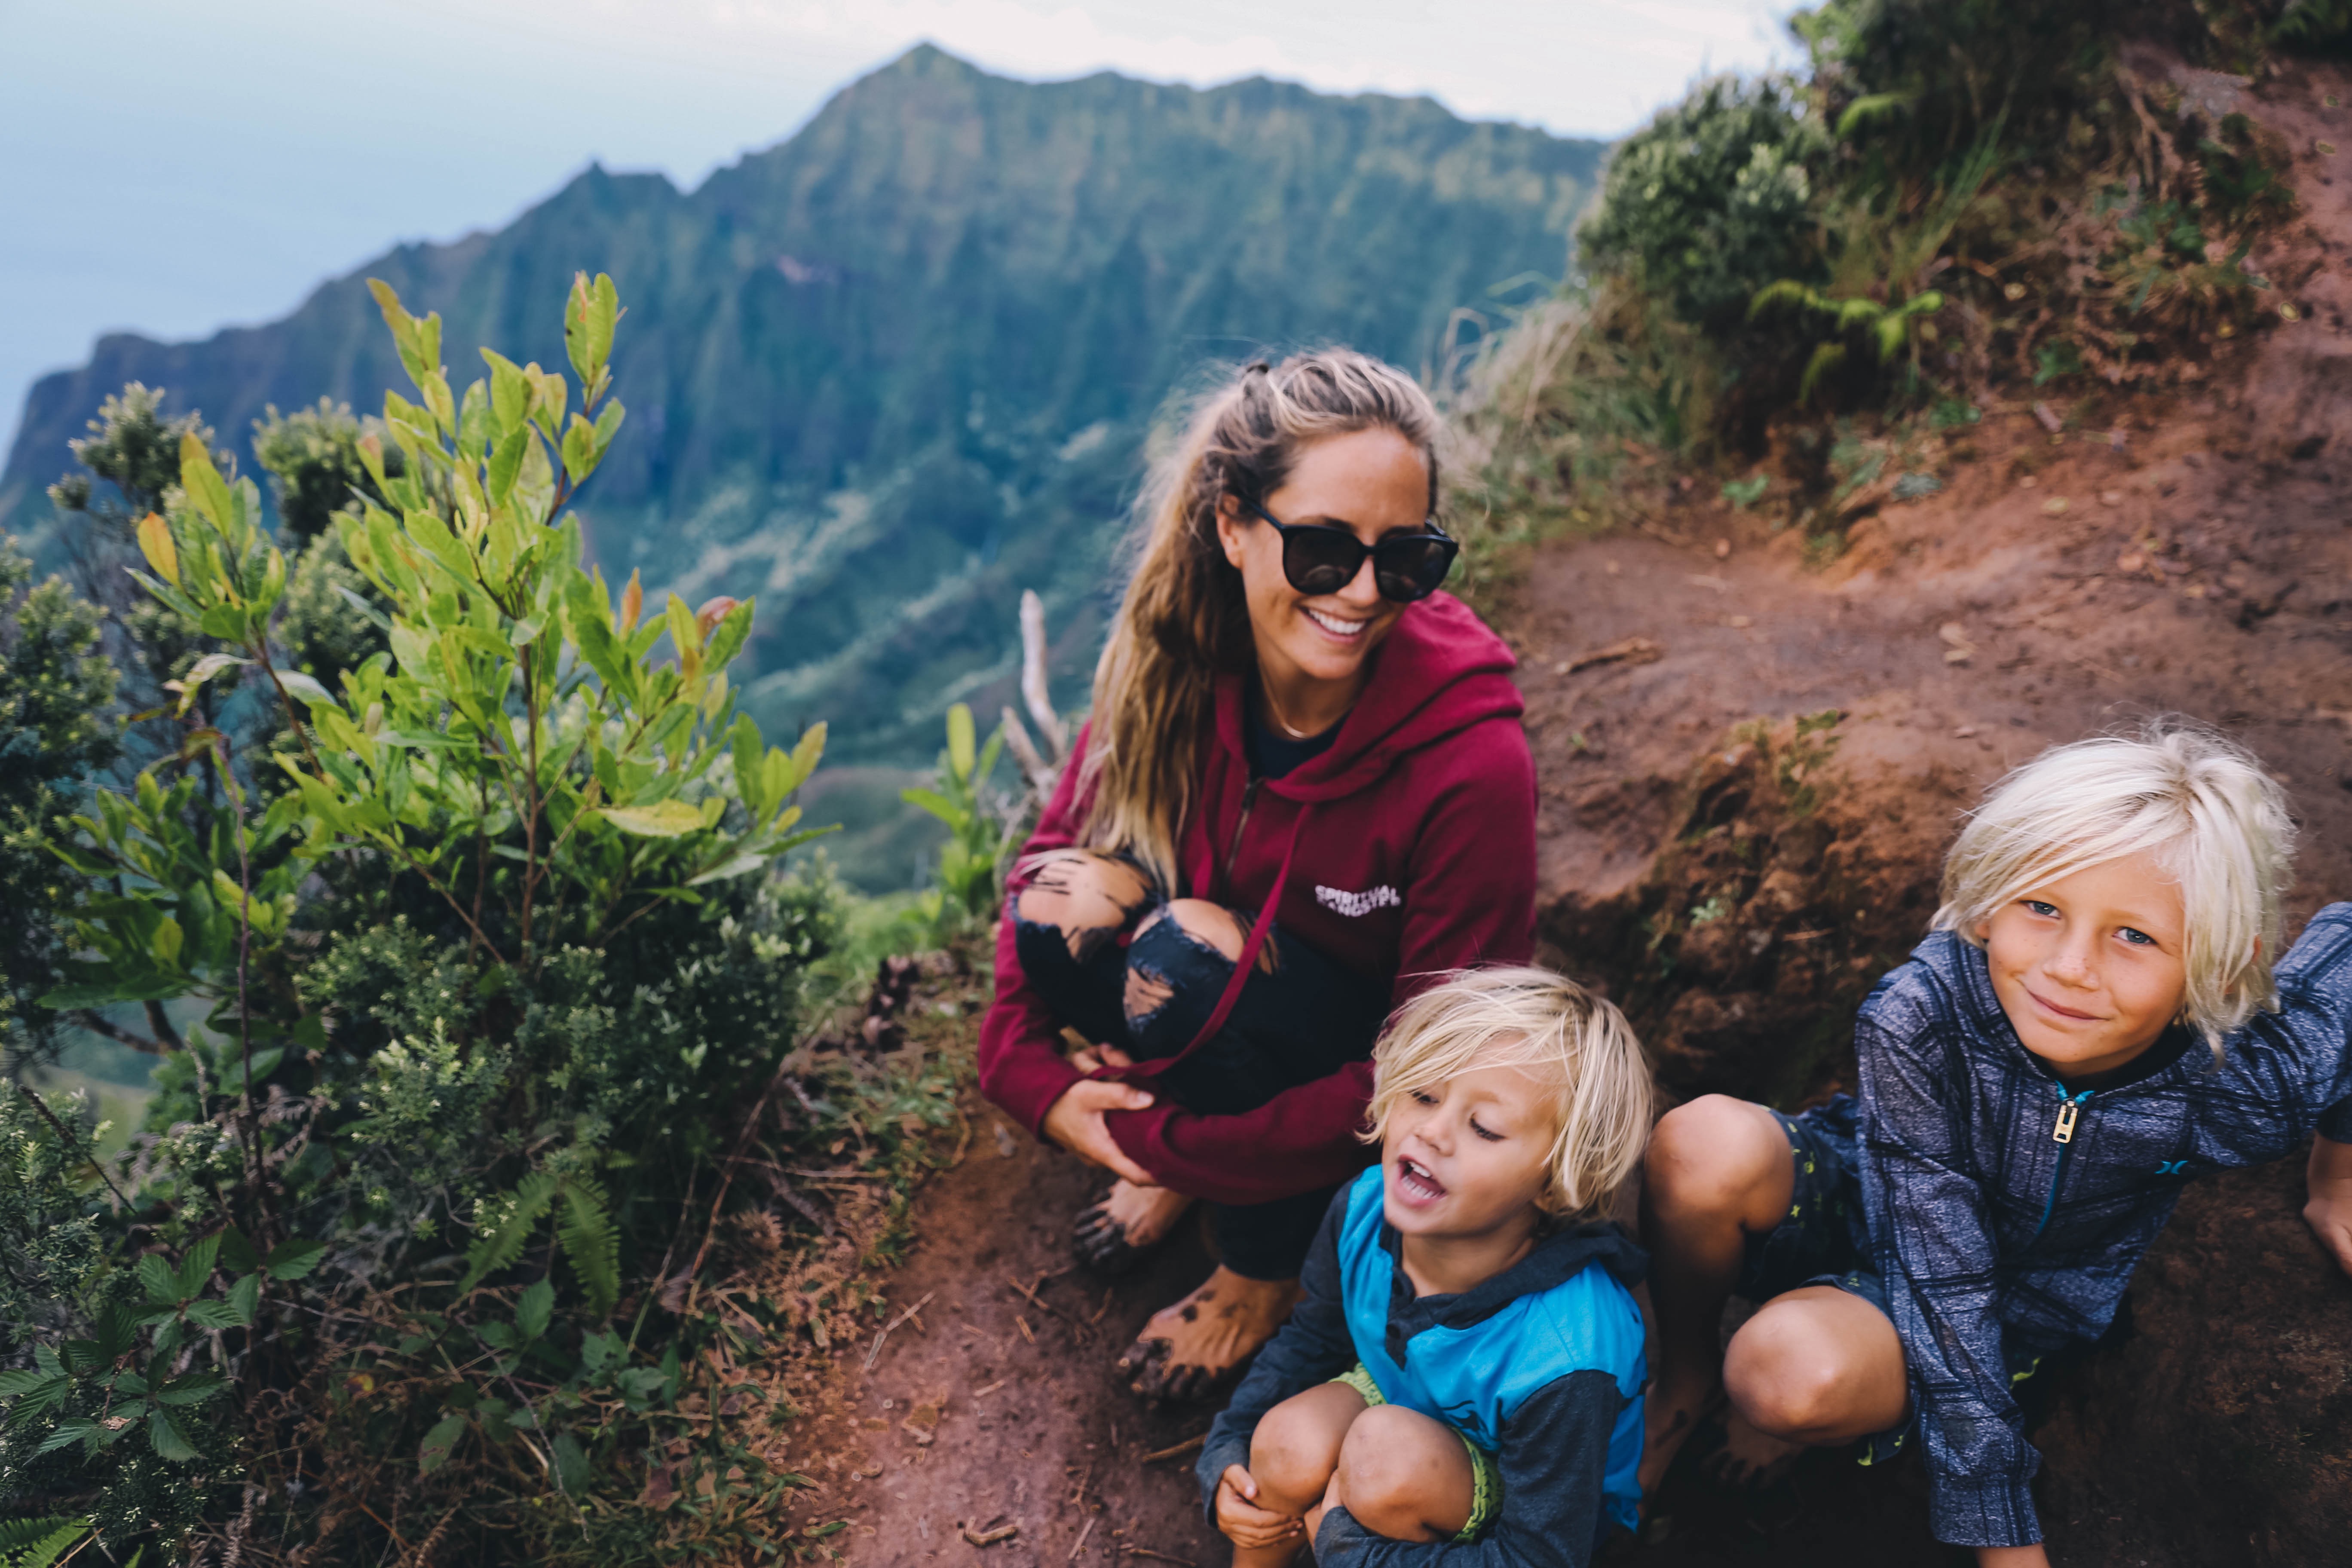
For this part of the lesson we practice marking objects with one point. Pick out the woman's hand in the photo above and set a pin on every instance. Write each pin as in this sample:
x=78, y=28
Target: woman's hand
x=1244, y=1523
x=1094, y=1059
x=2329, y=1210
x=1076, y=1123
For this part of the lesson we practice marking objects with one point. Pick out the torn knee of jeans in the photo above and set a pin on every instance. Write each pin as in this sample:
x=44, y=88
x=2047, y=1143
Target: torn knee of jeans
x=1148, y=992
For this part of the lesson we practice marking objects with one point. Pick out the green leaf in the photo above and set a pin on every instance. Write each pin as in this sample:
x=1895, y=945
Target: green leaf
x=959, y=741
x=734, y=868
x=664, y=819
x=571, y=1471
x=197, y=1268
x=534, y=1309
x=440, y=1443
x=590, y=1244
x=307, y=688
x=71, y=1430
x=939, y=805
x=578, y=450
x=743, y=740
x=192, y=1389
x=155, y=1279
x=164, y=1437
x=506, y=462
x=206, y=491
x=245, y=1299
x=41, y=1542
x=294, y=1259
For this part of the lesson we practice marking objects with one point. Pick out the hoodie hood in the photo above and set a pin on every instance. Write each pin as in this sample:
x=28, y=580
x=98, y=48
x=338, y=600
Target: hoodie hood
x=1438, y=671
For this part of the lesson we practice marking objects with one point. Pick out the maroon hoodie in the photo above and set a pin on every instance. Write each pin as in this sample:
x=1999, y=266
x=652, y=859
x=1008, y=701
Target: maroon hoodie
x=1406, y=850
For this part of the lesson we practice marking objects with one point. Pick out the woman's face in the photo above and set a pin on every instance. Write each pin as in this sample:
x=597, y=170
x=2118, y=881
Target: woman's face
x=1372, y=482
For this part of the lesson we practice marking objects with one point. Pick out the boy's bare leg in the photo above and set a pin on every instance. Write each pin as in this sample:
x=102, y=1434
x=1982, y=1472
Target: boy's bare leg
x=1814, y=1366
x=1402, y=1475
x=1717, y=1172
x=1293, y=1455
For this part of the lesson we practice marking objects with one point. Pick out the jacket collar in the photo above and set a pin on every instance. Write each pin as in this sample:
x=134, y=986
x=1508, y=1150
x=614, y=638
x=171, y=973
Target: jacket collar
x=1555, y=1260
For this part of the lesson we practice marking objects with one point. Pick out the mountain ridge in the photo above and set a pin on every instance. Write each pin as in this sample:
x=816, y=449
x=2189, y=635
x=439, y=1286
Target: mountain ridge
x=896, y=367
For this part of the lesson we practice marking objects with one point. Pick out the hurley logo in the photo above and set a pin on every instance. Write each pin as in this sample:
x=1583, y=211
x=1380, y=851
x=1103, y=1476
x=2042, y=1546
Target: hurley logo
x=2173, y=1168
x=1340, y=900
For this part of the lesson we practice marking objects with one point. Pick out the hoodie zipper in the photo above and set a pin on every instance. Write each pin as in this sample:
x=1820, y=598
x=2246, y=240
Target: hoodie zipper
x=2070, y=1107
x=1233, y=855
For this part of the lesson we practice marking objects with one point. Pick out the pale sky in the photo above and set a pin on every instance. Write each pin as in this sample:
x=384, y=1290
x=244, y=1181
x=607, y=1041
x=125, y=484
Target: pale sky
x=170, y=166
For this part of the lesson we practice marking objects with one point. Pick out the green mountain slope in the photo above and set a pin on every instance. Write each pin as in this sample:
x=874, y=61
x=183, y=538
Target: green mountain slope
x=891, y=372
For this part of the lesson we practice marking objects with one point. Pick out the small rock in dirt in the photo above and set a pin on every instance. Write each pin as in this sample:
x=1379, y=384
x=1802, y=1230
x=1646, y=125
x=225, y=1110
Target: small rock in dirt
x=1005, y=1147
x=1723, y=549
x=2049, y=418
x=2055, y=506
x=2111, y=498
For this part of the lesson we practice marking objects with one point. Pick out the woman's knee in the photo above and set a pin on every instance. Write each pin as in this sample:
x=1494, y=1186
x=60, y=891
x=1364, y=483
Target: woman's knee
x=1079, y=891
x=1715, y=1155
x=1203, y=922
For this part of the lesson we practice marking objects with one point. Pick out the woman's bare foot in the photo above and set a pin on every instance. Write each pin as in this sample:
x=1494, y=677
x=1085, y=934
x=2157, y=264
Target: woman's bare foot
x=1191, y=1350
x=1749, y=1460
x=1127, y=1221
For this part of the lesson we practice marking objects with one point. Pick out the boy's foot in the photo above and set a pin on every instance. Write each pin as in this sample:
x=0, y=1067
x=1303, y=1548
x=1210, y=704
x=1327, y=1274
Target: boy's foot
x=1673, y=1411
x=1749, y=1460
x=1194, y=1350
x=1118, y=1231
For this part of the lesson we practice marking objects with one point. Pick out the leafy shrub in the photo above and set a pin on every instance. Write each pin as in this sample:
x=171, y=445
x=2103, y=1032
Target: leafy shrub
x=484, y=983
x=1710, y=201
x=978, y=837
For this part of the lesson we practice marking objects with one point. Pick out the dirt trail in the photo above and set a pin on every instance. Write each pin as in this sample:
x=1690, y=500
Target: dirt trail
x=2193, y=555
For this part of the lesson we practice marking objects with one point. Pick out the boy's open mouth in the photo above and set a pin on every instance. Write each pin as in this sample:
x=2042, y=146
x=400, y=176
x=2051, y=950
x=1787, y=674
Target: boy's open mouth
x=1415, y=1184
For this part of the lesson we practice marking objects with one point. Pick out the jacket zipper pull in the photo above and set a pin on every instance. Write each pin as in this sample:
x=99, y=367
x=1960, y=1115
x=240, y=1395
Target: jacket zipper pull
x=2067, y=1110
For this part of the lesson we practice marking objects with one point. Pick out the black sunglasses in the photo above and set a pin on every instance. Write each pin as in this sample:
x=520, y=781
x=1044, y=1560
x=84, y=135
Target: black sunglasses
x=1318, y=558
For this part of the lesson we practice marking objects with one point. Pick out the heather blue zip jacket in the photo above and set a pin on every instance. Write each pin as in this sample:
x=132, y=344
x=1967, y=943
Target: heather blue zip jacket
x=1540, y=1365
x=1985, y=1224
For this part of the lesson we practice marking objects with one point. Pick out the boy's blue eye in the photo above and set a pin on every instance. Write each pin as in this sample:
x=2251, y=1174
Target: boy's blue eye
x=1490, y=1136
x=2137, y=938
x=2038, y=907
x=1423, y=1097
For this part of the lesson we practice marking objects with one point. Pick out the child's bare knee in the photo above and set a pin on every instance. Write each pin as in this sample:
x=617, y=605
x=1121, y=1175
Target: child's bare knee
x=1786, y=1377
x=1709, y=1155
x=1293, y=1451
x=1384, y=1469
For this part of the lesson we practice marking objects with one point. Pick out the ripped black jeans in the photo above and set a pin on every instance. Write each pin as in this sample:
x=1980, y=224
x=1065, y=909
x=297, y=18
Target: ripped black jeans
x=1300, y=1017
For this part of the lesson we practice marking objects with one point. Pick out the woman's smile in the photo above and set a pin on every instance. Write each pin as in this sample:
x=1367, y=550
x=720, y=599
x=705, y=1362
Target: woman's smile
x=1337, y=626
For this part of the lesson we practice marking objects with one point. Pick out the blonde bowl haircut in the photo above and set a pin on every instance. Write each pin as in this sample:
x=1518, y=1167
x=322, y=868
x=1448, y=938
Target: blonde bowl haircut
x=2187, y=794
x=1595, y=1076
x=1183, y=620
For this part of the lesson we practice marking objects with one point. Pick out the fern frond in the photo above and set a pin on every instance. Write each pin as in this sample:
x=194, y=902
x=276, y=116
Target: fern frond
x=39, y=1542
x=1826, y=358
x=497, y=1247
x=590, y=1243
x=1786, y=291
x=1875, y=109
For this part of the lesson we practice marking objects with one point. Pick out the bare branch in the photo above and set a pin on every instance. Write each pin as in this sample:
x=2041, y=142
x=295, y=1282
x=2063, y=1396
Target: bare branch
x=97, y=1024
x=1034, y=691
x=1035, y=768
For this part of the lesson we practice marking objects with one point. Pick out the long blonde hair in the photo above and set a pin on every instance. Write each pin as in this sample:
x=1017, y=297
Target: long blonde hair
x=1184, y=621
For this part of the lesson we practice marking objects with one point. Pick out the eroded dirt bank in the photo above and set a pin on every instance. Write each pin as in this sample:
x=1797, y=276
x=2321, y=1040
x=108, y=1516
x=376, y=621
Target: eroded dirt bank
x=1750, y=766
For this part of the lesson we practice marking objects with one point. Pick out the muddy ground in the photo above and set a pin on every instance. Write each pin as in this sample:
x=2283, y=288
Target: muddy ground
x=1737, y=878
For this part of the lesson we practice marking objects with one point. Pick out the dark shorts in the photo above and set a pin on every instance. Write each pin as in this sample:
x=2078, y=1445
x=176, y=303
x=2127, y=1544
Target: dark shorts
x=1300, y=1017
x=1825, y=1240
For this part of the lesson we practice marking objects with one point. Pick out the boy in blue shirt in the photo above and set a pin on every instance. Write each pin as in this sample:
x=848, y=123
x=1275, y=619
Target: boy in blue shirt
x=1460, y=1386
x=2093, y=1020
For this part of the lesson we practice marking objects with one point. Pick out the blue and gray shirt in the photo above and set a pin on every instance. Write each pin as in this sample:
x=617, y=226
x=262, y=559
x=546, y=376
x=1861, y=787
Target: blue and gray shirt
x=1540, y=1365
x=2004, y=1203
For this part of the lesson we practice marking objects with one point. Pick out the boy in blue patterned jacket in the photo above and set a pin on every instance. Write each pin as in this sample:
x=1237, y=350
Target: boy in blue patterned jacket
x=1460, y=1386
x=2093, y=1021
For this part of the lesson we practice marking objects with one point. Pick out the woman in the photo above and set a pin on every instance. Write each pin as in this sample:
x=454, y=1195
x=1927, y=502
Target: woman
x=1304, y=792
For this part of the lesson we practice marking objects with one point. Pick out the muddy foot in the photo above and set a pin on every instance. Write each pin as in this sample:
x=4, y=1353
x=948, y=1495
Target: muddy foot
x=1195, y=1349
x=1749, y=1460
x=1119, y=1232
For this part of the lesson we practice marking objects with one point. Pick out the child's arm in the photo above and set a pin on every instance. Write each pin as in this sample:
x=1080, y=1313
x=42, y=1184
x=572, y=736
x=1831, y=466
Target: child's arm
x=2329, y=1210
x=1553, y=1455
x=1934, y=1247
x=1313, y=1347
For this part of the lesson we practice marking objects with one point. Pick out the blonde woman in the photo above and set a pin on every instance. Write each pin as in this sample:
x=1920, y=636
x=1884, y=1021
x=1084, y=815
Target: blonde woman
x=1304, y=792
x=2095, y=1020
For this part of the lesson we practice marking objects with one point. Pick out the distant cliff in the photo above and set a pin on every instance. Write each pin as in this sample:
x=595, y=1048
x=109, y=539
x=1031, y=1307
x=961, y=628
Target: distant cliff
x=889, y=372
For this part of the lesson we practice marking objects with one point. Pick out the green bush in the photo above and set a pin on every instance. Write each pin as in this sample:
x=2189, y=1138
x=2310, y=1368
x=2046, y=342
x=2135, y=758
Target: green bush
x=972, y=859
x=1710, y=201
x=487, y=979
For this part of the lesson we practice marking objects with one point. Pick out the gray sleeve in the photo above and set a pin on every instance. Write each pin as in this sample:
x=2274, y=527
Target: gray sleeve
x=1313, y=1347
x=1554, y=1458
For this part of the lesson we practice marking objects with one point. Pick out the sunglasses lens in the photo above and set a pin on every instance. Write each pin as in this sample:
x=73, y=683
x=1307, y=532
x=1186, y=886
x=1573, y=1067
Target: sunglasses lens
x=1321, y=560
x=1409, y=569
